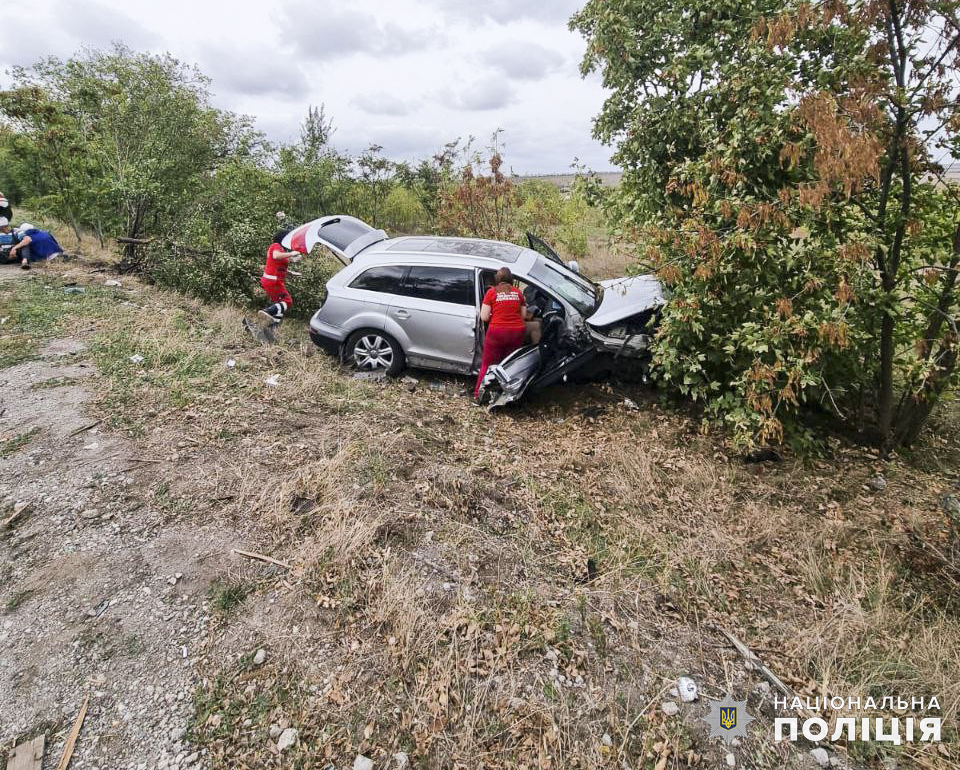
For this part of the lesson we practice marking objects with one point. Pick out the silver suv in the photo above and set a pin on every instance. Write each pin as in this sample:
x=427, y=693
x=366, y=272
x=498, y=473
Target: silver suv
x=416, y=301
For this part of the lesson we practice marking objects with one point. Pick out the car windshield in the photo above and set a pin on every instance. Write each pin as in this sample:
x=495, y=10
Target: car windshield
x=573, y=288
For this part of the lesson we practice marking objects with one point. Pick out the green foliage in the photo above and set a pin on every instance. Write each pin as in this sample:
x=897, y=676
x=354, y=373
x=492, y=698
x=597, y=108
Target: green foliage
x=786, y=204
x=128, y=145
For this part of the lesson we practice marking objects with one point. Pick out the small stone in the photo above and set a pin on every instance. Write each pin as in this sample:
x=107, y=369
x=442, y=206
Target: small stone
x=288, y=739
x=259, y=657
x=231, y=363
x=401, y=759
x=275, y=731
x=670, y=708
x=821, y=757
x=191, y=758
x=112, y=282
x=878, y=483
x=606, y=740
x=731, y=760
x=362, y=763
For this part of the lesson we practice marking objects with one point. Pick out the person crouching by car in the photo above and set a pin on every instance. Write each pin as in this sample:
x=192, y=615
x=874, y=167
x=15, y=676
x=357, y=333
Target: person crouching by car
x=34, y=245
x=505, y=309
x=275, y=277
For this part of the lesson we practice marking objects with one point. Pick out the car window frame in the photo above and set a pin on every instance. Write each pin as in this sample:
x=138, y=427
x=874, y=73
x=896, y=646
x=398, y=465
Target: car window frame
x=404, y=268
x=470, y=271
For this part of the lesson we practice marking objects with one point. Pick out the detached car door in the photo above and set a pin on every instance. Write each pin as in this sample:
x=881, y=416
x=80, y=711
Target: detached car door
x=437, y=310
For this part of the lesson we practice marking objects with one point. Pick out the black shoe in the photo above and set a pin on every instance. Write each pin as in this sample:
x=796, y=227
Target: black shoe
x=274, y=313
x=24, y=265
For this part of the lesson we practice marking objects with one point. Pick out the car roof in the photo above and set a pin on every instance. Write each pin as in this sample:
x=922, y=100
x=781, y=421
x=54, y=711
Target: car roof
x=474, y=252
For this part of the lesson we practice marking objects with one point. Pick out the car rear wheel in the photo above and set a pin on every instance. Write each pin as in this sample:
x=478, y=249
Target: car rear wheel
x=372, y=350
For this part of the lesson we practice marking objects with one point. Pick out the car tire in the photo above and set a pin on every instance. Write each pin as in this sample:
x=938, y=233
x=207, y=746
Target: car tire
x=374, y=350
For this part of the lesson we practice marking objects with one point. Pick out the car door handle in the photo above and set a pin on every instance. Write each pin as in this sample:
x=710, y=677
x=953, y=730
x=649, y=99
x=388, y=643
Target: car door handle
x=401, y=314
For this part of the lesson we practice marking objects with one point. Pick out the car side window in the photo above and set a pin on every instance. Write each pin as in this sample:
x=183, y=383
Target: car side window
x=385, y=279
x=441, y=284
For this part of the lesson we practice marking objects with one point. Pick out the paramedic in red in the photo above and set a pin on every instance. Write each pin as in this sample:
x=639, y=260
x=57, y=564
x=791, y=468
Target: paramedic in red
x=505, y=308
x=275, y=276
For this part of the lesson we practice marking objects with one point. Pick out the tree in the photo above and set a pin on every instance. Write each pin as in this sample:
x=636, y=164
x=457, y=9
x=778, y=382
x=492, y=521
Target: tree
x=480, y=205
x=122, y=138
x=780, y=176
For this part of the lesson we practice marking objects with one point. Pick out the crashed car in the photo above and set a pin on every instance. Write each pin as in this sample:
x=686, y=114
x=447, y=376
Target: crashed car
x=415, y=301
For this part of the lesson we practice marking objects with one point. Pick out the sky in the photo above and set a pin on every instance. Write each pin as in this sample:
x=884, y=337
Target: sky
x=409, y=75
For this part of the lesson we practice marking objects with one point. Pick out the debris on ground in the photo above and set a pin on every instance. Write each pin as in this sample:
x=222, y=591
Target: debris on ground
x=259, y=657
x=670, y=708
x=688, y=689
x=136, y=358
x=273, y=380
x=820, y=756
x=27, y=756
x=362, y=763
x=288, y=739
x=113, y=283
x=630, y=403
x=877, y=484
x=231, y=363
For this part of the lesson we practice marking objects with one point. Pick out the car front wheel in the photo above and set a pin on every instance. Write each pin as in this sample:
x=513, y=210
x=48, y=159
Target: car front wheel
x=372, y=350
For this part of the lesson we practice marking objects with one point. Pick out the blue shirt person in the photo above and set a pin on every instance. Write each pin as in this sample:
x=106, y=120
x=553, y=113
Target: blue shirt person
x=34, y=245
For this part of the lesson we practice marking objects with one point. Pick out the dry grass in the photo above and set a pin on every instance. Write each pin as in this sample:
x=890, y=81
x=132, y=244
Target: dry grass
x=449, y=566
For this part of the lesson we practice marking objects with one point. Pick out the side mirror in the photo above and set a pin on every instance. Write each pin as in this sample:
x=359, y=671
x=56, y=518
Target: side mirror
x=574, y=265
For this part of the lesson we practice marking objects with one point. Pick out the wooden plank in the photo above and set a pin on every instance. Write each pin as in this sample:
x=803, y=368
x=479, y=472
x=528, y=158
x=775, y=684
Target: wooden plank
x=27, y=756
x=74, y=734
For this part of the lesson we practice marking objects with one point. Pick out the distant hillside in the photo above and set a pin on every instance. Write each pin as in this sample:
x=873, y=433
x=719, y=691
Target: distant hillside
x=951, y=173
x=609, y=178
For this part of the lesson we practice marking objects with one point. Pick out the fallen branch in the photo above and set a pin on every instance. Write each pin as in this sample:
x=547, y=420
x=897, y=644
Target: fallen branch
x=15, y=515
x=135, y=241
x=753, y=660
x=86, y=427
x=74, y=734
x=261, y=557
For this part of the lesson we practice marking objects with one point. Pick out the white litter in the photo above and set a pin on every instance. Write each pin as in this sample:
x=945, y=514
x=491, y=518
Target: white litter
x=688, y=689
x=630, y=403
x=273, y=380
x=111, y=282
x=136, y=358
x=231, y=362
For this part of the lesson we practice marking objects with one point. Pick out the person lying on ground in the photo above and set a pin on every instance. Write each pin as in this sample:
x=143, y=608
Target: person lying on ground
x=275, y=277
x=35, y=245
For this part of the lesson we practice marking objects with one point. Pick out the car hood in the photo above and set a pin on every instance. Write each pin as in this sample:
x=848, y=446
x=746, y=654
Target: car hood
x=625, y=297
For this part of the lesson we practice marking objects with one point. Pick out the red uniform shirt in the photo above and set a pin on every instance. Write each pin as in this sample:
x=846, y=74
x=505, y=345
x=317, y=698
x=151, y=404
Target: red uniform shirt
x=507, y=307
x=275, y=268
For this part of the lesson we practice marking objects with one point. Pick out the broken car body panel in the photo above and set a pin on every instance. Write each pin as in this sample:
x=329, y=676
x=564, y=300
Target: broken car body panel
x=626, y=297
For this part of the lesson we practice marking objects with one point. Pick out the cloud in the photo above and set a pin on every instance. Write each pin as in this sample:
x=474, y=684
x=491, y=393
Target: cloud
x=488, y=93
x=382, y=103
x=503, y=11
x=522, y=60
x=331, y=33
x=234, y=70
x=98, y=25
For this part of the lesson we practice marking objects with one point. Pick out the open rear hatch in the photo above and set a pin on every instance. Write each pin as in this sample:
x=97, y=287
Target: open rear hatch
x=344, y=236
